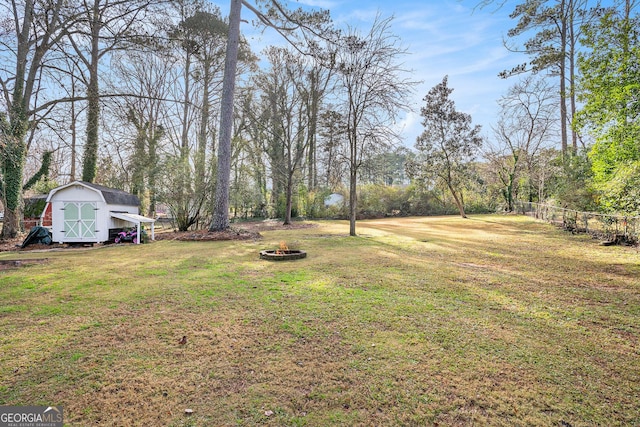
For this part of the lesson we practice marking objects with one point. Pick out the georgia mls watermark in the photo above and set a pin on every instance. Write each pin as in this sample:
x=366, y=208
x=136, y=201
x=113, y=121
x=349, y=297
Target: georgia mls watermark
x=31, y=416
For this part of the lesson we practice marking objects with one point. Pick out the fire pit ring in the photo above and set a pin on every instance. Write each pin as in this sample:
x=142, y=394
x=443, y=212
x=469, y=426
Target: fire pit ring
x=282, y=255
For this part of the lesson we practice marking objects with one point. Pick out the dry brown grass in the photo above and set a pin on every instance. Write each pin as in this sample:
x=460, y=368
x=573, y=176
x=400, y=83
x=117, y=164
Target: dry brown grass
x=419, y=321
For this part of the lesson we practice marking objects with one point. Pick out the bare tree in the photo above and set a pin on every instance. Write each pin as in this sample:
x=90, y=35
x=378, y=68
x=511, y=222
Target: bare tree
x=525, y=125
x=285, y=117
x=206, y=35
x=147, y=75
x=284, y=22
x=319, y=81
x=253, y=144
x=333, y=135
x=35, y=30
x=105, y=27
x=249, y=188
x=375, y=93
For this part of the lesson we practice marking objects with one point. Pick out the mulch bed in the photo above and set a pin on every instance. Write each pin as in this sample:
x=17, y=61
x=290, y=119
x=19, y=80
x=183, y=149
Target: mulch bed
x=232, y=233
x=241, y=231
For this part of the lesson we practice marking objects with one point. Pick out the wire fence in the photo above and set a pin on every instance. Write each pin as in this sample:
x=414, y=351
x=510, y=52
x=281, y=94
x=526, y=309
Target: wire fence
x=611, y=229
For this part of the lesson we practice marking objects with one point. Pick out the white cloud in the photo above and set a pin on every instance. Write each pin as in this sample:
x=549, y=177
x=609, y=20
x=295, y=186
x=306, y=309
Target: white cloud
x=321, y=4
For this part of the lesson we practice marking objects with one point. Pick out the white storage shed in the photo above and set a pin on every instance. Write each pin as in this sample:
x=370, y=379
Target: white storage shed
x=83, y=212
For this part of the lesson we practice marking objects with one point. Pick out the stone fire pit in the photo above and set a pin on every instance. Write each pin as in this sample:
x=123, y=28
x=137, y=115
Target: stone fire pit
x=282, y=255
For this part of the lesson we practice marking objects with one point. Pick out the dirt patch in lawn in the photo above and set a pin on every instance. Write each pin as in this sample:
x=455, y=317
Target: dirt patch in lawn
x=9, y=264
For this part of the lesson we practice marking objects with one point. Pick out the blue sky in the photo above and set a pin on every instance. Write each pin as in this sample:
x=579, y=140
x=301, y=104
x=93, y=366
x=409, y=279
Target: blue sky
x=444, y=37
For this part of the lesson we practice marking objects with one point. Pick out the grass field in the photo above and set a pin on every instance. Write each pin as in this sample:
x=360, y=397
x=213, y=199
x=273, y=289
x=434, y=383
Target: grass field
x=493, y=320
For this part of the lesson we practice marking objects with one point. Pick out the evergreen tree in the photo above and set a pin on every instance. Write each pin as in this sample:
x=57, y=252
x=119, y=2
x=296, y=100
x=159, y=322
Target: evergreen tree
x=447, y=146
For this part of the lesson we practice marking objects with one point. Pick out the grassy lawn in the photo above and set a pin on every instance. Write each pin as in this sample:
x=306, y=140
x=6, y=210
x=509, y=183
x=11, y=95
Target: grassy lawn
x=493, y=320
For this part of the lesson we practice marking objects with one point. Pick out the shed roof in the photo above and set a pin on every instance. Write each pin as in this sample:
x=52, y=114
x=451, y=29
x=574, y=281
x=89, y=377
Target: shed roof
x=134, y=218
x=112, y=196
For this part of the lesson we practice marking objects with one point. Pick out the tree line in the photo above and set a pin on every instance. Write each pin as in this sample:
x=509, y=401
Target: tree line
x=580, y=87
x=131, y=94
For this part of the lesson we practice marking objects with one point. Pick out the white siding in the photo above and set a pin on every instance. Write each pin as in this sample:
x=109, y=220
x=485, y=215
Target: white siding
x=118, y=223
x=79, y=194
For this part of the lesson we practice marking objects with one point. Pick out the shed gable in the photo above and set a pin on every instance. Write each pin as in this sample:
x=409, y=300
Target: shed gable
x=75, y=193
x=94, y=192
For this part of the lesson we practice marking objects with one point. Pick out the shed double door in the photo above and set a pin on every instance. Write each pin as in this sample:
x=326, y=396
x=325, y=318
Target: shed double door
x=80, y=220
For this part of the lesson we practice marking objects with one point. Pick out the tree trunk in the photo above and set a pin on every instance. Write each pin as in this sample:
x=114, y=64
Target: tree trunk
x=11, y=225
x=15, y=131
x=458, y=201
x=221, y=204
x=510, y=194
x=200, y=161
x=184, y=139
x=14, y=153
x=572, y=82
x=152, y=171
x=329, y=162
x=90, y=160
x=289, y=198
x=184, y=180
x=139, y=156
x=74, y=121
x=563, y=83
x=74, y=132
x=314, y=94
x=13, y=166
x=353, y=202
